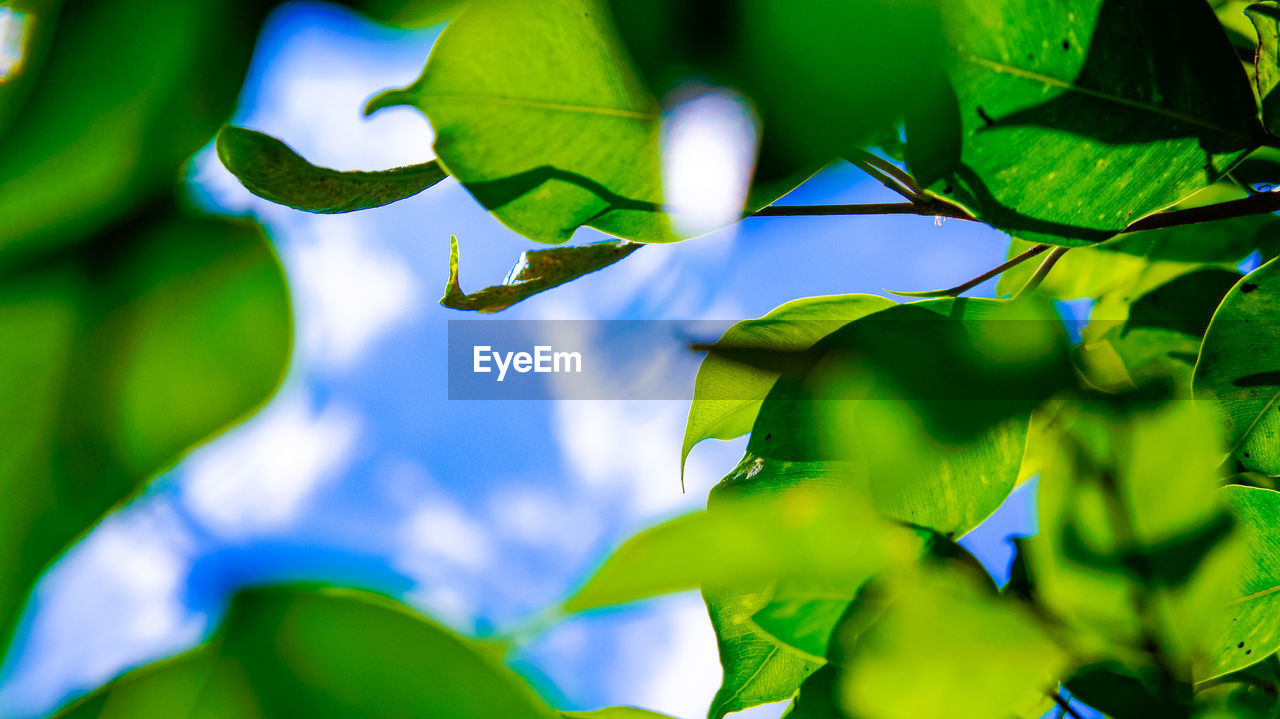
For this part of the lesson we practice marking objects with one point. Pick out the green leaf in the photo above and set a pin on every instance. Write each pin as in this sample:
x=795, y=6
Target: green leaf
x=948, y=385
x=904, y=664
x=1237, y=368
x=1128, y=576
x=536, y=271
x=1250, y=629
x=412, y=13
x=615, y=713
x=539, y=114
x=1074, y=124
x=118, y=360
x=1251, y=693
x=271, y=170
x=808, y=529
x=1112, y=688
x=290, y=652
x=98, y=137
x=758, y=667
x=727, y=394
x=818, y=77
x=1158, y=334
x=1265, y=17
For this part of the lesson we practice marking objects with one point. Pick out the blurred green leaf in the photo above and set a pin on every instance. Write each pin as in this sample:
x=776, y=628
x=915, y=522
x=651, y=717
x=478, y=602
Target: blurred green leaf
x=1073, y=124
x=536, y=271
x=411, y=13
x=1113, y=689
x=538, y=112
x=1250, y=628
x=1265, y=17
x=815, y=529
x=824, y=78
x=907, y=663
x=119, y=358
x=1158, y=334
x=1126, y=575
x=295, y=652
x=1237, y=369
x=727, y=395
x=271, y=170
x=616, y=713
x=128, y=92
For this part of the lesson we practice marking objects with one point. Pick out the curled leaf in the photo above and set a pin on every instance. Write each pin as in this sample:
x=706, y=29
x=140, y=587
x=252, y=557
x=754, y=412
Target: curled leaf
x=271, y=170
x=536, y=271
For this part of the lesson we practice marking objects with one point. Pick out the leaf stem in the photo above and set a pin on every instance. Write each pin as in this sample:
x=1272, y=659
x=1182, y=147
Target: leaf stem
x=958, y=289
x=1041, y=272
x=902, y=182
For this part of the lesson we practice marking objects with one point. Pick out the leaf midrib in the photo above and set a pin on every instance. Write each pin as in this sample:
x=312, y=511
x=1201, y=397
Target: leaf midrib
x=544, y=105
x=1004, y=67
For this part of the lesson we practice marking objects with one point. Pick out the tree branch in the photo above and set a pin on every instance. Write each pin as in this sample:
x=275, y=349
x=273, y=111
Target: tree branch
x=1064, y=705
x=927, y=209
x=1042, y=271
x=958, y=289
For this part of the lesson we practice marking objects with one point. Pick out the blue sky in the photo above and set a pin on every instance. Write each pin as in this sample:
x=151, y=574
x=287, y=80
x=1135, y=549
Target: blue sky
x=362, y=470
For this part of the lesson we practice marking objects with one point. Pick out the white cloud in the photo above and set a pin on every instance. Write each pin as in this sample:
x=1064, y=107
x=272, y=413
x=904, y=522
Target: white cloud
x=669, y=660
x=349, y=292
x=632, y=448
x=259, y=477
x=439, y=530
x=114, y=601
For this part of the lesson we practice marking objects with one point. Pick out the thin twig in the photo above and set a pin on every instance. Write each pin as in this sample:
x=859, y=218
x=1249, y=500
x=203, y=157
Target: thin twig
x=910, y=188
x=1041, y=272
x=928, y=209
x=886, y=180
x=1064, y=705
x=958, y=289
x=1258, y=204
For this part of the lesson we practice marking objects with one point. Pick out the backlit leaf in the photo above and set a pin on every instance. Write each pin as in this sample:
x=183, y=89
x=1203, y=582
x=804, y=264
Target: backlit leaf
x=117, y=361
x=1238, y=364
x=1073, y=125
x=290, y=652
x=271, y=170
x=727, y=394
x=536, y=271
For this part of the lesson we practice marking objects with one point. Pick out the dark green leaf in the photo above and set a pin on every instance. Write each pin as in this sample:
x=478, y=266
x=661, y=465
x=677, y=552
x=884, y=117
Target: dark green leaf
x=1239, y=367
x=1080, y=117
x=412, y=13
x=119, y=359
x=1158, y=333
x=819, y=77
x=1266, y=20
x=271, y=170
x=1114, y=690
x=536, y=271
x=296, y=652
x=129, y=91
